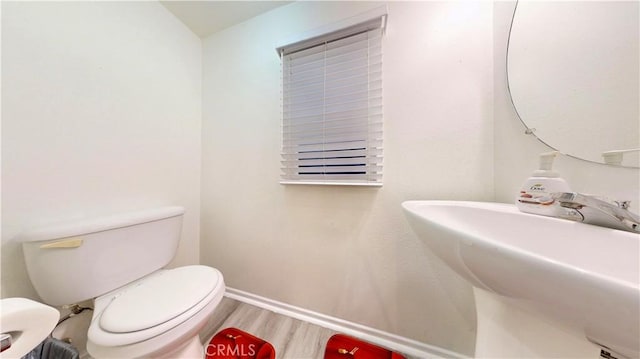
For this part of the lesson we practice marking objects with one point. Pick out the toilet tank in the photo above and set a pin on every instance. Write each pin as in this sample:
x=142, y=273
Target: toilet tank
x=75, y=261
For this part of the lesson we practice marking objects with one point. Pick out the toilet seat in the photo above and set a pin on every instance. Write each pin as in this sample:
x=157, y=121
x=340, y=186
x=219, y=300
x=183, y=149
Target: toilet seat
x=153, y=305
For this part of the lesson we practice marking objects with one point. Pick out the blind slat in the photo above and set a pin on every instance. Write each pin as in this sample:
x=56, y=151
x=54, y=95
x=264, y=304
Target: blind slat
x=333, y=161
x=334, y=169
x=341, y=146
x=331, y=137
x=332, y=128
x=369, y=178
x=346, y=123
x=371, y=113
x=336, y=75
x=330, y=108
x=370, y=152
x=327, y=101
x=346, y=85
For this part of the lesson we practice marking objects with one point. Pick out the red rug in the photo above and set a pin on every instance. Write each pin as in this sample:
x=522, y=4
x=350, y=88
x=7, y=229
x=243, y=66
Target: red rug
x=232, y=343
x=341, y=346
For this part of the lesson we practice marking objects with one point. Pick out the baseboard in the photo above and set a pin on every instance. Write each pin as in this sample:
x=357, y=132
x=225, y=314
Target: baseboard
x=394, y=342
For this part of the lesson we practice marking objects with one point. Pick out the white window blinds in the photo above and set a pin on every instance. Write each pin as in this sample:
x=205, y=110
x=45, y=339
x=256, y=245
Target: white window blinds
x=332, y=108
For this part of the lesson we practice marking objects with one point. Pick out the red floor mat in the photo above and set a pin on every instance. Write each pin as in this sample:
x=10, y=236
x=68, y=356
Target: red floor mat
x=232, y=343
x=341, y=346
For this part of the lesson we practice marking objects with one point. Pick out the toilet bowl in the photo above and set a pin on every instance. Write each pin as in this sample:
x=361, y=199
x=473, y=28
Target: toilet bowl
x=141, y=309
x=153, y=316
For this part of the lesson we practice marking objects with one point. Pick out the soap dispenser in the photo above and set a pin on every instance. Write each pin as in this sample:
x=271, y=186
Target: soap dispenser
x=535, y=195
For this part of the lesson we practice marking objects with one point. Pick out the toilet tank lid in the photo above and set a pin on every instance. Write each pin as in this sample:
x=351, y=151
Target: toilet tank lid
x=93, y=225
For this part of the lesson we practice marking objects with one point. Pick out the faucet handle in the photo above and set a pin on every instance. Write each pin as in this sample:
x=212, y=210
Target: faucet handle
x=5, y=341
x=623, y=204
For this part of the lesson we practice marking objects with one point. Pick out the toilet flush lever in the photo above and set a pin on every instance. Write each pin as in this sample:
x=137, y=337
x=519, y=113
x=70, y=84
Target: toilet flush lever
x=5, y=341
x=65, y=243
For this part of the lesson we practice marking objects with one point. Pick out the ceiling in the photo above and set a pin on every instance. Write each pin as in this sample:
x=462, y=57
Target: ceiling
x=206, y=17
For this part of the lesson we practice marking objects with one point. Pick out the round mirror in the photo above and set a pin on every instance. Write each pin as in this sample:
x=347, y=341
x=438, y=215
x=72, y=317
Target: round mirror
x=573, y=73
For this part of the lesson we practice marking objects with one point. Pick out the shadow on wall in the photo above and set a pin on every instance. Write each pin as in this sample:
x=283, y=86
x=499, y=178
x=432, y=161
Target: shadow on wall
x=330, y=226
x=345, y=209
x=15, y=280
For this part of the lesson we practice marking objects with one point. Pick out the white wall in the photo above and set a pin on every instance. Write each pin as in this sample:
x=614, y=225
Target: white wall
x=345, y=251
x=101, y=113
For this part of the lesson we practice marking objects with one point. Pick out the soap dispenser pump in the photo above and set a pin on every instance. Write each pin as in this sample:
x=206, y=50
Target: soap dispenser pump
x=535, y=195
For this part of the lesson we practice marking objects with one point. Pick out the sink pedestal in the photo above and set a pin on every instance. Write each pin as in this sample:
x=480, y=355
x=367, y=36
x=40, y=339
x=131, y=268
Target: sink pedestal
x=506, y=330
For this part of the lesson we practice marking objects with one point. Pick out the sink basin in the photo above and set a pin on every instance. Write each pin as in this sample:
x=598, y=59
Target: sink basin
x=27, y=322
x=584, y=276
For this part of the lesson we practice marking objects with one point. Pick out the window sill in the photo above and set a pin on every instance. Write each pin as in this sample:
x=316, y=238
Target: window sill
x=337, y=183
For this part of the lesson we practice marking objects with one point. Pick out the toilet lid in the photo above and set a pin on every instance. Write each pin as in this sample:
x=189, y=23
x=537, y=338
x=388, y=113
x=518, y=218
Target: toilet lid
x=158, y=299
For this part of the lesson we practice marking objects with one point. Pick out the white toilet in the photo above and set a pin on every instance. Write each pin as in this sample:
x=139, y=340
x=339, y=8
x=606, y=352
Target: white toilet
x=140, y=309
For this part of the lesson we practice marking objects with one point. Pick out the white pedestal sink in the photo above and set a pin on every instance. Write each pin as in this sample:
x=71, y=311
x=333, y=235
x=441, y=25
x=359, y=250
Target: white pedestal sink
x=584, y=277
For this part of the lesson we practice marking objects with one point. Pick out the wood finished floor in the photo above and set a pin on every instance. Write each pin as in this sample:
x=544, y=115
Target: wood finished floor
x=292, y=338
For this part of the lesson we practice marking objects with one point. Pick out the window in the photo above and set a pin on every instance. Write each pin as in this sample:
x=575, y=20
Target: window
x=332, y=107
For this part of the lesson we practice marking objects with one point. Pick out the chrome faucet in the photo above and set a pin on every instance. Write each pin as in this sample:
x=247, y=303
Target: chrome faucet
x=618, y=211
